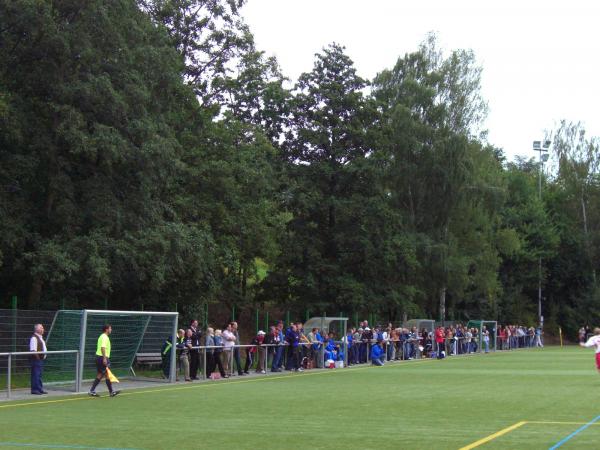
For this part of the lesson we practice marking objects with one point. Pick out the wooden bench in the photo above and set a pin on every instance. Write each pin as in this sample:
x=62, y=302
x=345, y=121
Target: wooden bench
x=148, y=359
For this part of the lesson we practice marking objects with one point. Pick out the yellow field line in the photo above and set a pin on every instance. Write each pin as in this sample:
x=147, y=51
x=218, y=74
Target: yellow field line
x=493, y=436
x=517, y=425
x=208, y=384
x=254, y=380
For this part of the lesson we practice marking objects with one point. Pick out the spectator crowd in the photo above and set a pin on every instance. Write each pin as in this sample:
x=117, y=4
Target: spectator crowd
x=294, y=348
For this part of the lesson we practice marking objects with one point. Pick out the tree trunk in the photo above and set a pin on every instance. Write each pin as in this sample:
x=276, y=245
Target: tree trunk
x=443, y=291
x=585, y=231
x=244, y=283
x=443, y=304
x=412, y=206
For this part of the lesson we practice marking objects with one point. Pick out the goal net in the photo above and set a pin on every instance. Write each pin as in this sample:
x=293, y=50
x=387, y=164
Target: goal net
x=136, y=341
x=491, y=327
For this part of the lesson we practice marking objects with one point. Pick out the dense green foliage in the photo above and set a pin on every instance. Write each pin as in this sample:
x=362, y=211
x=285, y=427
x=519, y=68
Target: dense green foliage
x=151, y=155
x=473, y=398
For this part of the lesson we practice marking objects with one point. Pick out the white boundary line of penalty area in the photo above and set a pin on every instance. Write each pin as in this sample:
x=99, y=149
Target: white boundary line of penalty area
x=206, y=384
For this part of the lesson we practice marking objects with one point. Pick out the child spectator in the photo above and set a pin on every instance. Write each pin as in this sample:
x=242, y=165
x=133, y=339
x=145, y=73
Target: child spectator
x=377, y=353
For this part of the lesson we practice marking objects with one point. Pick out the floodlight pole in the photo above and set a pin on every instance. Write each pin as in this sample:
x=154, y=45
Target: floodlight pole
x=539, y=147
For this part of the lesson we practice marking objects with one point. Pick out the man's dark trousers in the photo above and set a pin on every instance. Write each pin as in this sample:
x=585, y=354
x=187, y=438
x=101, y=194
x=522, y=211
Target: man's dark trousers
x=238, y=361
x=194, y=363
x=293, y=356
x=277, y=356
x=37, y=368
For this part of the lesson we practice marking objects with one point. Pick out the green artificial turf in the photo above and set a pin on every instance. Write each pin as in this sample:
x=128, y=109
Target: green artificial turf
x=408, y=405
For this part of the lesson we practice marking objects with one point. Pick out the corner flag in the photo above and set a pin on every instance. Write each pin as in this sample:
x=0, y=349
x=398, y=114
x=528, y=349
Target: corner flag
x=111, y=376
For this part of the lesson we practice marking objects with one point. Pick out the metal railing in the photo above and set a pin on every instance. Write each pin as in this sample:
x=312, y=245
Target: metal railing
x=359, y=352
x=356, y=353
x=476, y=344
x=9, y=365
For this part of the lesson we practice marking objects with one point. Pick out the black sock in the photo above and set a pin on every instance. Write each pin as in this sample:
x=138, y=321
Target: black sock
x=108, y=385
x=96, y=382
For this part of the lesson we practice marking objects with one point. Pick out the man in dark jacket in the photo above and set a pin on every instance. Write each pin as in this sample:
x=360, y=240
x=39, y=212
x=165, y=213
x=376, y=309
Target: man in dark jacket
x=278, y=339
x=365, y=345
x=292, y=337
x=195, y=353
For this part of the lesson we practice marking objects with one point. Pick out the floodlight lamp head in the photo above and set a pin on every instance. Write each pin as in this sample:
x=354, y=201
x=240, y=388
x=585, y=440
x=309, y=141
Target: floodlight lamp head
x=545, y=157
x=547, y=144
x=537, y=145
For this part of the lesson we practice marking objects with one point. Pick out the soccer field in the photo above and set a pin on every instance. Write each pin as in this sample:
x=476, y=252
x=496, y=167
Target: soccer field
x=523, y=400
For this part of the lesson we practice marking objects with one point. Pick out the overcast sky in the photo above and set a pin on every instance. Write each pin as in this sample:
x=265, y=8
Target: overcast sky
x=540, y=59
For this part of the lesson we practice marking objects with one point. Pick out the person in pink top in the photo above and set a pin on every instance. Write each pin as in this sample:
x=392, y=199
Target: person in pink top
x=594, y=341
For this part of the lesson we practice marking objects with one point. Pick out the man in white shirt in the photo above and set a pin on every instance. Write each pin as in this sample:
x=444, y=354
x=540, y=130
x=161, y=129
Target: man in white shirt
x=37, y=344
x=228, y=343
x=594, y=341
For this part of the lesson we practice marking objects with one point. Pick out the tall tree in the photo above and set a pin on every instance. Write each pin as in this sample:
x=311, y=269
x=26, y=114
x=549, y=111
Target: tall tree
x=210, y=35
x=431, y=109
x=326, y=138
x=231, y=169
x=89, y=210
x=578, y=170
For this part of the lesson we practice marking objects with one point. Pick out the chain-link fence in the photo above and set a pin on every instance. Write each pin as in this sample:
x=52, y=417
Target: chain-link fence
x=16, y=328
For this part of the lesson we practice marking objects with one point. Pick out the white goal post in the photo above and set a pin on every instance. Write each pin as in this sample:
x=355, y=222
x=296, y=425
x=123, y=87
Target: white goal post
x=132, y=330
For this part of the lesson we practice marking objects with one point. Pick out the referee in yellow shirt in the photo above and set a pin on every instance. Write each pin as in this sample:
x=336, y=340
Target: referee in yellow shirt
x=103, y=362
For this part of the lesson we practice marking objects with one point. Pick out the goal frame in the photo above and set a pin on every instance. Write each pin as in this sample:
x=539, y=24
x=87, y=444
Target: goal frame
x=106, y=312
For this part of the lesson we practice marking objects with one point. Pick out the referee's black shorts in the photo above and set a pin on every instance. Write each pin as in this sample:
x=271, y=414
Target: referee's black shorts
x=100, y=364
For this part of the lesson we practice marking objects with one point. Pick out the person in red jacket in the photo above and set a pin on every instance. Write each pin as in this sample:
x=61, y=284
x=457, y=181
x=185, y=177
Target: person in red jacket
x=440, y=338
x=502, y=336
